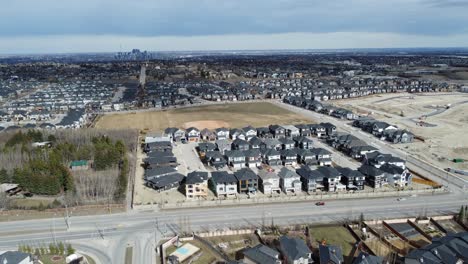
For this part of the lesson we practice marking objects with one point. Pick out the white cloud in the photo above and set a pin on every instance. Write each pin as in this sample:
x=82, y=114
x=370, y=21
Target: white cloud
x=336, y=40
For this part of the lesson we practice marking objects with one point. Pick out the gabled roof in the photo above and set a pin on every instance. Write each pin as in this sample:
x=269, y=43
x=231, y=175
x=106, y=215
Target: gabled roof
x=294, y=248
x=255, y=141
x=328, y=172
x=365, y=258
x=330, y=254
x=223, y=177
x=286, y=173
x=262, y=254
x=13, y=257
x=391, y=169
x=320, y=151
x=192, y=129
x=167, y=180
x=370, y=171
x=234, y=153
x=245, y=174
x=349, y=173
x=240, y=142
x=286, y=141
x=195, y=177
x=266, y=174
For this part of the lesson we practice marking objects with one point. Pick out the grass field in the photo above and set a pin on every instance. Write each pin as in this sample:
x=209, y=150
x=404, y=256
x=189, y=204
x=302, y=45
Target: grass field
x=211, y=116
x=333, y=235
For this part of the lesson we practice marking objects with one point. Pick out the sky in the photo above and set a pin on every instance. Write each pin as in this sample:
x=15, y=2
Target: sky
x=61, y=26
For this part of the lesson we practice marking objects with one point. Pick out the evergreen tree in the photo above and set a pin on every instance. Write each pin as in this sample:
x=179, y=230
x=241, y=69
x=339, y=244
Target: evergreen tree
x=61, y=248
x=70, y=250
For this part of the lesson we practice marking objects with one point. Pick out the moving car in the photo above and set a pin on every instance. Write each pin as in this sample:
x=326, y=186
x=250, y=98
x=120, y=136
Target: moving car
x=321, y=203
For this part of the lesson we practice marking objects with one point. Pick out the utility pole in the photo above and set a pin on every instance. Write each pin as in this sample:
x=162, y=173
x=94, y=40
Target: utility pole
x=67, y=217
x=53, y=230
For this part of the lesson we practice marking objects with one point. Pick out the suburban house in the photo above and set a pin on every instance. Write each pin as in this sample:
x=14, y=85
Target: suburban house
x=396, y=176
x=330, y=129
x=366, y=258
x=289, y=157
x=192, y=134
x=332, y=179
x=352, y=179
x=290, y=181
x=240, y=144
x=295, y=250
x=196, y=185
x=260, y=254
x=158, y=146
x=223, y=184
x=304, y=156
x=312, y=180
x=277, y=131
x=203, y=148
x=165, y=182
x=304, y=130
x=247, y=181
x=250, y=132
x=329, y=254
x=378, y=159
x=287, y=143
x=236, y=133
x=175, y=133
x=222, y=133
x=256, y=143
x=272, y=143
x=253, y=158
x=318, y=130
x=215, y=159
x=358, y=152
x=207, y=135
x=269, y=182
x=235, y=158
x=159, y=159
x=264, y=132
x=374, y=176
x=399, y=136
x=291, y=131
x=322, y=156
x=303, y=142
x=271, y=157
x=15, y=257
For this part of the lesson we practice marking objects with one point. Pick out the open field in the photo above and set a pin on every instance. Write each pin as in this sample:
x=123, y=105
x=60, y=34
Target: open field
x=445, y=138
x=211, y=116
x=333, y=235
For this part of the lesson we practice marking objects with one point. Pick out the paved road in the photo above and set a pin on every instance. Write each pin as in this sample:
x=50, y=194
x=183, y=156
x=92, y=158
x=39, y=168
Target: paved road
x=138, y=228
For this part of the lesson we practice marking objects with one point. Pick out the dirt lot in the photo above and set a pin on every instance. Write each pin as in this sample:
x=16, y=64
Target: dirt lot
x=212, y=116
x=445, y=140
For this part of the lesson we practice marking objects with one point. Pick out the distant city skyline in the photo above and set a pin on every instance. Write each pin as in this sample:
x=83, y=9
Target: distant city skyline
x=56, y=26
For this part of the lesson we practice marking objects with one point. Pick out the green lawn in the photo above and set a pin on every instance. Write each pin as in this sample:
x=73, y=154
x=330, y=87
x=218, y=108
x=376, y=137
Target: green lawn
x=334, y=235
x=48, y=259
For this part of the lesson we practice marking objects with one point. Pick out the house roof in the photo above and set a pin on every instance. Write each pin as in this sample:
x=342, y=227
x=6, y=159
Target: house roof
x=167, y=180
x=365, y=258
x=155, y=172
x=294, y=248
x=330, y=254
x=234, y=153
x=266, y=174
x=77, y=163
x=328, y=172
x=196, y=177
x=370, y=170
x=349, y=173
x=12, y=257
x=307, y=173
x=223, y=177
x=392, y=169
x=320, y=151
x=262, y=254
x=286, y=173
x=245, y=174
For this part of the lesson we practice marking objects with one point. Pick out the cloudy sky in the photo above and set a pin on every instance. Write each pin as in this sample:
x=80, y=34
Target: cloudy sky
x=33, y=26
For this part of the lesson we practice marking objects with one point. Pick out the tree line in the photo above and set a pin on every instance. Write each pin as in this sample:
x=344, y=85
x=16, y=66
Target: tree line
x=45, y=169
